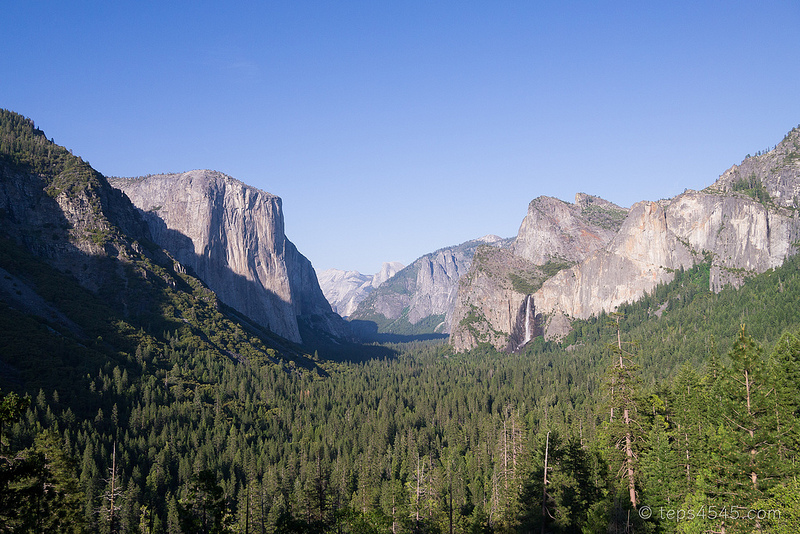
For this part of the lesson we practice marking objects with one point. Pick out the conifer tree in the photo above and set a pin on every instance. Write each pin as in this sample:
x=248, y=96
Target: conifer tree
x=687, y=413
x=204, y=508
x=112, y=496
x=746, y=421
x=49, y=493
x=784, y=373
x=624, y=428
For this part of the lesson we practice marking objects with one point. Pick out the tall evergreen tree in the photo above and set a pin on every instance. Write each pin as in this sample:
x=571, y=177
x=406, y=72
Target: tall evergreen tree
x=624, y=428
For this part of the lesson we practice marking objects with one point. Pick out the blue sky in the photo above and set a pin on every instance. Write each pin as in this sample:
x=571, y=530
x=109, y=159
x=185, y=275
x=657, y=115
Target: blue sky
x=393, y=128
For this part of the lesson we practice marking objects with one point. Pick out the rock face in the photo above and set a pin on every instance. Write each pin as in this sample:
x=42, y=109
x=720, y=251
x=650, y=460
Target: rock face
x=420, y=298
x=639, y=257
x=745, y=223
x=493, y=304
x=232, y=236
x=346, y=289
x=554, y=230
x=388, y=270
x=491, y=308
x=63, y=212
x=738, y=234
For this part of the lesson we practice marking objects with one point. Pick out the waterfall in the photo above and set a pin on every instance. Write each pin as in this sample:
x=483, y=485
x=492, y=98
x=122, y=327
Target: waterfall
x=527, y=323
x=527, y=320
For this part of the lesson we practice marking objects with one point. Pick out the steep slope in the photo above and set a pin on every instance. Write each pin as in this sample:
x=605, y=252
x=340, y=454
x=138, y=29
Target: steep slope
x=419, y=299
x=232, y=236
x=739, y=236
x=61, y=209
x=643, y=254
x=346, y=289
x=746, y=223
x=493, y=304
x=85, y=288
x=773, y=177
x=554, y=230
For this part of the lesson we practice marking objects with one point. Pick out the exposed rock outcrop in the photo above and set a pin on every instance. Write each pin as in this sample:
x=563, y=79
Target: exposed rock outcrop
x=73, y=219
x=492, y=299
x=741, y=235
x=491, y=307
x=640, y=256
x=776, y=172
x=232, y=236
x=738, y=235
x=344, y=289
x=554, y=230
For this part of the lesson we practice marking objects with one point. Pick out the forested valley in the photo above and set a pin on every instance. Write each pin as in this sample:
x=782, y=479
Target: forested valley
x=685, y=422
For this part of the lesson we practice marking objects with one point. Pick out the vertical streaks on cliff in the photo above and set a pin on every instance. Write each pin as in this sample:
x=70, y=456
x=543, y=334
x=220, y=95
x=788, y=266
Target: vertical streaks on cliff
x=232, y=236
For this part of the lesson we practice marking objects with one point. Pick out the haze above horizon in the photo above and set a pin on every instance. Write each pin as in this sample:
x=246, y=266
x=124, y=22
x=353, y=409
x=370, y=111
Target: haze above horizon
x=392, y=129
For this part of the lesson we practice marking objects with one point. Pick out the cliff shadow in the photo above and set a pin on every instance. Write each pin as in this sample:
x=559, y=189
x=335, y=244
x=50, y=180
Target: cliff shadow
x=320, y=332
x=229, y=286
x=325, y=335
x=68, y=293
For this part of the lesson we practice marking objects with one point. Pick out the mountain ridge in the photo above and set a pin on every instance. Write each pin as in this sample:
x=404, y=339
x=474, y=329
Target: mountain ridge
x=77, y=227
x=746, y=222
x=84, y=285
x=492, y=303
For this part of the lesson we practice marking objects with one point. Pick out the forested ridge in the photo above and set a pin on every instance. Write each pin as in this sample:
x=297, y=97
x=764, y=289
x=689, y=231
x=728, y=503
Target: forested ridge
x=678, y=414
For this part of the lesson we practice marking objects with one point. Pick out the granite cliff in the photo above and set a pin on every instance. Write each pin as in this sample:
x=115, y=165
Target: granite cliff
x=346, y=289
x=68, y=238
x=745, y=223
x=493, y=303
x=741, y=226
x=554, y=230
x=771, y=176
x=232, y=236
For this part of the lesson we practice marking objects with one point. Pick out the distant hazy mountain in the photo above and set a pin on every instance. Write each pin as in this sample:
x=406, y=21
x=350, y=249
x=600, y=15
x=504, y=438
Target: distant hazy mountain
x=345, y=289
x=419, y=299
